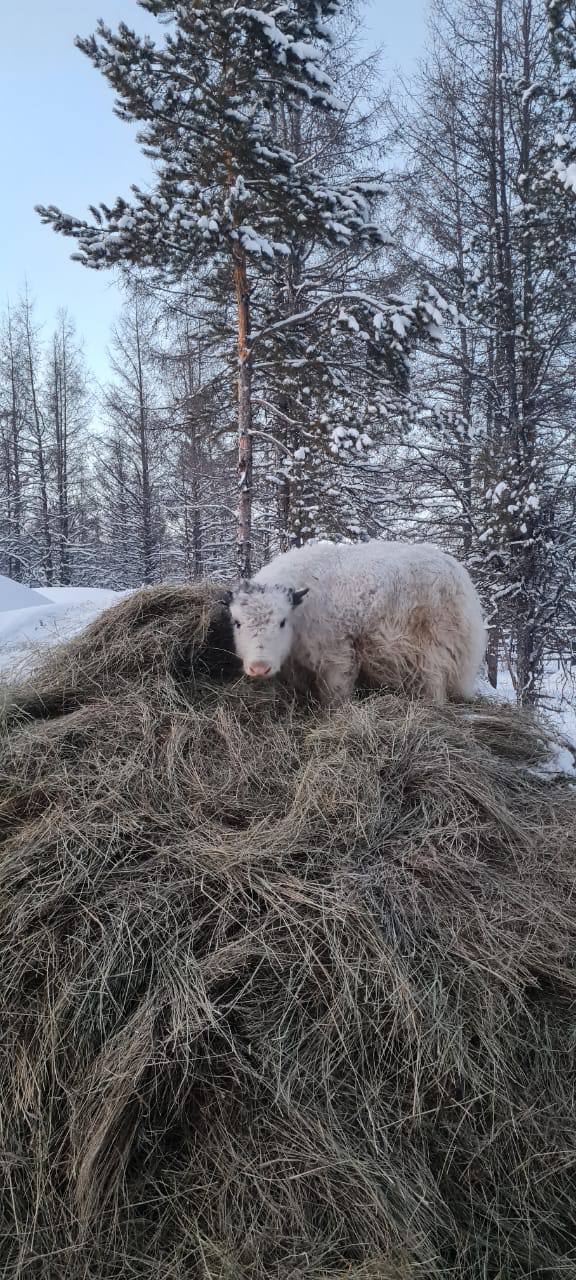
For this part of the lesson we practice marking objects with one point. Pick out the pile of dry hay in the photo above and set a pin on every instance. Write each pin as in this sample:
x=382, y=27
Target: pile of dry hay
x=282, y=993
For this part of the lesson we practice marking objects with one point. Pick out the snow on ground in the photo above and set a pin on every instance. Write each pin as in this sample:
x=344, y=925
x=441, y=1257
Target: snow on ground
x=560, y=760
x=24, y=632
x=558, y=707
x=15, y=595
x=558, y=700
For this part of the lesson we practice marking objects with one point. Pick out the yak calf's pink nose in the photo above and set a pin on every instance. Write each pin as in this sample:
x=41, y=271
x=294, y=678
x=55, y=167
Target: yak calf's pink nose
x=258, y=669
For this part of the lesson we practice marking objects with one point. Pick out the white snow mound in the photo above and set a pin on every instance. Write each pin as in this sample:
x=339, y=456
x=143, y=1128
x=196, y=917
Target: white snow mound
x=54, y=616
x=14, y=595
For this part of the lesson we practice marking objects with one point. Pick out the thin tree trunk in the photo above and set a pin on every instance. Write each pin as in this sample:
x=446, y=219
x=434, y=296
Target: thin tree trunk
x=245, y=457
x=61, y=432
x=289, y=128
x=193, y=459
x=509, y=388
x=40, y=458
x=492, y=654
x=530, y=640
x=13, y=472
x=147, y=534
x=465, y=449
x=7, y=486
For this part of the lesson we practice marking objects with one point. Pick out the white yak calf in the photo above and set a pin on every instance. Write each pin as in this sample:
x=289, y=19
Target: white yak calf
x=389, y=613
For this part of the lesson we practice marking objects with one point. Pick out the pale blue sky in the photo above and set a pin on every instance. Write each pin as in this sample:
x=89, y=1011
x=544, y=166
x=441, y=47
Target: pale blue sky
x=63, y=145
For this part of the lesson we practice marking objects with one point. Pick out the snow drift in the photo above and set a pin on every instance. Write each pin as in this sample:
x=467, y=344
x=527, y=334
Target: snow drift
x=15, y=595
x=30, y=621
x=283, y=993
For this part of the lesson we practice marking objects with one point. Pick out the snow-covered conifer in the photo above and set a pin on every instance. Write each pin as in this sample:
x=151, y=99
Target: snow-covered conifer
x=227, y=191
x=562, y=20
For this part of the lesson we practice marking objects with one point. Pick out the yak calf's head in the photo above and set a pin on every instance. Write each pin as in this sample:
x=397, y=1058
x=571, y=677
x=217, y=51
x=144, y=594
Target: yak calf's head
x=263, y=623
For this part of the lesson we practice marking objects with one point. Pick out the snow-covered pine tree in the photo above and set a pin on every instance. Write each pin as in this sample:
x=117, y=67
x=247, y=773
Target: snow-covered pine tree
x=552, y=208
x=326, y=389
x=227, y=194
x=562, y=21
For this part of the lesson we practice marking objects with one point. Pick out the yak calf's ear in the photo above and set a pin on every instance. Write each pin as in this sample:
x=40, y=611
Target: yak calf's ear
x=227, y=598
x=298, y=596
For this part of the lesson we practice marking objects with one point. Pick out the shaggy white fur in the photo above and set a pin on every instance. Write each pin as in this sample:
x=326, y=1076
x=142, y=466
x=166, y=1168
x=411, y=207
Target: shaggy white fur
x=392, y=613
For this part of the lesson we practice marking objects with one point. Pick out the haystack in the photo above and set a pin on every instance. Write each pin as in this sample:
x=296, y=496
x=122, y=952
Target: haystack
x=283, y=993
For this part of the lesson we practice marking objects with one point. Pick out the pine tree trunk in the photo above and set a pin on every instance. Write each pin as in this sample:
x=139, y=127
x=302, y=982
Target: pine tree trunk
x=508, y=375
x=245, y=460
x=197, y=538
x=532, y=641
x=194, y=462
x=492, y=655
x=289, y=126
x=197, y=544
x=527, y=660
x=465, y=450
x=283, y=505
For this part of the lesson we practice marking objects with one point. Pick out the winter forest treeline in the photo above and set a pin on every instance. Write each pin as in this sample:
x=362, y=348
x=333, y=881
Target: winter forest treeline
x=349, y=311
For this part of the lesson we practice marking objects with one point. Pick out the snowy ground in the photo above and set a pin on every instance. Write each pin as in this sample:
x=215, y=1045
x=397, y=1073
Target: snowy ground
x=62, y=611
x=558, y=702
x=24, y=632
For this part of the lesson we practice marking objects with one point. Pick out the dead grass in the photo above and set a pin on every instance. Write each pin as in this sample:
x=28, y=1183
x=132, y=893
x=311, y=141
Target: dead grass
x=283, y=994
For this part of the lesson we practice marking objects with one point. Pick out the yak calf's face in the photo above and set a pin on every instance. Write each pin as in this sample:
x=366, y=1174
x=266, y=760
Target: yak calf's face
x=263, y=623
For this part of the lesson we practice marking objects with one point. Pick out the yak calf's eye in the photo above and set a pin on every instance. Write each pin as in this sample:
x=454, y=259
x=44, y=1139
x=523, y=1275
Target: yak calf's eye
x=283, y=622
x=236, y=623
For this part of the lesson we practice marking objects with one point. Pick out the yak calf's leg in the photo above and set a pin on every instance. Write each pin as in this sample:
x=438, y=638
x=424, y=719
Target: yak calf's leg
x=337, y=677
x=434, y=688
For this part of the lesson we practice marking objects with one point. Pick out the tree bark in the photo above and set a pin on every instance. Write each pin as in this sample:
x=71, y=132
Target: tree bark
x=492, y=655
x=38, y=425
x=530, y=639
x=245, y=456
x=60, y=374
x=466, y=373
x=147, y=531
x=193, y=457
x=14, y=488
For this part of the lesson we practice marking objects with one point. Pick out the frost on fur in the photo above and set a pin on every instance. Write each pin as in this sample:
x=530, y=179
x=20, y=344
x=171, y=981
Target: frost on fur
x=388, y=613
x=263, y=622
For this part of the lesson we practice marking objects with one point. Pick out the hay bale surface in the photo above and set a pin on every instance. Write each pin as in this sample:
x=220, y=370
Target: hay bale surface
x=284, y=993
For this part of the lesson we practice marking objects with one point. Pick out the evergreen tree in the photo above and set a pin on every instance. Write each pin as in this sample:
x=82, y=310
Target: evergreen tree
x=562, y=20
x=228, y=193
